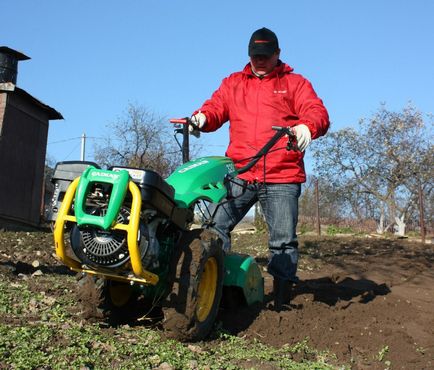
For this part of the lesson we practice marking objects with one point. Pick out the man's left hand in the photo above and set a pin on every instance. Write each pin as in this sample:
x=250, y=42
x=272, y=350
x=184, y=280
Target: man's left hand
x=199, y=120
x=303, y=135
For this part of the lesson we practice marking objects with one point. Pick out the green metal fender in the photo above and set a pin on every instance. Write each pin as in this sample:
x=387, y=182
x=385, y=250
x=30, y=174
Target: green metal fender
x=243, y=272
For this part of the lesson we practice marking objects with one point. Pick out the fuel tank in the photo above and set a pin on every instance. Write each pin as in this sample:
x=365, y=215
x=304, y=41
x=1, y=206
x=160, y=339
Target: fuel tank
x=202, y=178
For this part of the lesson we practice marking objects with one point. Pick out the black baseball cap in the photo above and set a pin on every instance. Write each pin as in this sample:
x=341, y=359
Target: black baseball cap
x=263, y=42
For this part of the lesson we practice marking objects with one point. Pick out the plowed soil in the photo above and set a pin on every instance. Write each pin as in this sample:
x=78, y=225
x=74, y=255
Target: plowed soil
x=370, y=301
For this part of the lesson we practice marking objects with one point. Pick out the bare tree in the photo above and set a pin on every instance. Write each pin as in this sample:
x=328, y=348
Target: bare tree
x=331, y=202
x=377, y=168
x=139, y=138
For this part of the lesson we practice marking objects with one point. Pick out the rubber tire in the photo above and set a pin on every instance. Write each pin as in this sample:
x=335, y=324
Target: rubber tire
x=185, y=318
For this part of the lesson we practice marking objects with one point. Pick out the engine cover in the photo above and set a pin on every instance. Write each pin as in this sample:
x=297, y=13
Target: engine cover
x=96, y=247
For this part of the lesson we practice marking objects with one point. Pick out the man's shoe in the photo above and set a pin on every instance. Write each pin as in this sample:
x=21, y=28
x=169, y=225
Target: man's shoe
x=281, y=291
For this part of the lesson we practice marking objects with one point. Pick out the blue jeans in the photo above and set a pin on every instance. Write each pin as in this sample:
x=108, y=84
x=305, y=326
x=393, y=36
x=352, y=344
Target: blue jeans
x=279, y=203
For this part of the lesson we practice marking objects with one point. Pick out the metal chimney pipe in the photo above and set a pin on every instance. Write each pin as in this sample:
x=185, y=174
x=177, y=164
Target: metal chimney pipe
x=9, y=64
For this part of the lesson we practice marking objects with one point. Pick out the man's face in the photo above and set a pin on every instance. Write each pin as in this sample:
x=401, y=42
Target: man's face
x=264, y=64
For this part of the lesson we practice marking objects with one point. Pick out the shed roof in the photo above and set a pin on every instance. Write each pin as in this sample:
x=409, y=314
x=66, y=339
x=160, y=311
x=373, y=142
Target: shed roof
x=52, y=113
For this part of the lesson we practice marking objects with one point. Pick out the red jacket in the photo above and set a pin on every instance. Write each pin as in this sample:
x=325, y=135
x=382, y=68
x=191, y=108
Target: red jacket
x=253, y=105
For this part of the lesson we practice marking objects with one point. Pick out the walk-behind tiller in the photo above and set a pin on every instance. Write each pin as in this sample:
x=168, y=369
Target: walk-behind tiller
x=130, y=236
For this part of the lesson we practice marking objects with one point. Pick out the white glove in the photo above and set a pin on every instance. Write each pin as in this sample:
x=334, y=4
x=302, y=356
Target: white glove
x=199, y=119
x=303, y=135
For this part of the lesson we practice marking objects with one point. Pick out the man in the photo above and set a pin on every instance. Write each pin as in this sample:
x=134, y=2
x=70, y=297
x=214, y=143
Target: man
x=266, y=93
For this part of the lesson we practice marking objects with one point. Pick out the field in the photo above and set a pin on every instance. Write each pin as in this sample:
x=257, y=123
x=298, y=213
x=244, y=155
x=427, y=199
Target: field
x=361, y=303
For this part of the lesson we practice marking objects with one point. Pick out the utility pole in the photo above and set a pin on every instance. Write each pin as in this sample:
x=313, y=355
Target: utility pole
x=421, y=213
x=83, y=147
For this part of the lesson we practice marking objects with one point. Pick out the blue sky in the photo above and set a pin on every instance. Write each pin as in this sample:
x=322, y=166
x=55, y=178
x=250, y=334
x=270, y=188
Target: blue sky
x=91, y=58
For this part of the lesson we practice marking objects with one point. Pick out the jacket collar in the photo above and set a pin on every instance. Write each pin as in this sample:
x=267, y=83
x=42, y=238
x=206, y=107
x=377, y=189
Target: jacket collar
x=281, y=68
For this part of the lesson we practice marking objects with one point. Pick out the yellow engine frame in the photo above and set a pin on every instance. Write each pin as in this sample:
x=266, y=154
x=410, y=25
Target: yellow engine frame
x=140, y=275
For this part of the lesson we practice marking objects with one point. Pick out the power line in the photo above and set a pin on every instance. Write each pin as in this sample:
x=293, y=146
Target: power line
x=65, y=140
x=79, y=138
x=73, y=150
x=103, y=138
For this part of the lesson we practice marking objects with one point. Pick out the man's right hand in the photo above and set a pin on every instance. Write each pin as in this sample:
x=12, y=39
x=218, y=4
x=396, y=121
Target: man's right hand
x=199, y=120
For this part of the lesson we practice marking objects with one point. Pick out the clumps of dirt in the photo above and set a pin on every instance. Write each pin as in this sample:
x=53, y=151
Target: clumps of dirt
x=24, y=253
x=368, y=301
x=89, y=298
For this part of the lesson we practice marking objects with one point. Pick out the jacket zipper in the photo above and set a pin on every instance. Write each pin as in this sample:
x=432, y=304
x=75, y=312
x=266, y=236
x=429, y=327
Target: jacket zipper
x=255, y=168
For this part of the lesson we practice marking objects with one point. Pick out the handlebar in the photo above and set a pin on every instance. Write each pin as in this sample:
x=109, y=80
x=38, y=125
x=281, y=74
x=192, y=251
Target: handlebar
x=184, y=121
x=280, y=132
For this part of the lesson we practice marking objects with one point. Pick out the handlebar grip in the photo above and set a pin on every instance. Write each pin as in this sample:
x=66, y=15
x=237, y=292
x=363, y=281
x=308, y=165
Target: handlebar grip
x=183, y=121
x=287, y=130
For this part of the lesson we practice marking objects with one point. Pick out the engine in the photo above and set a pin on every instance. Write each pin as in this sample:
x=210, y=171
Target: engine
x=99, y=248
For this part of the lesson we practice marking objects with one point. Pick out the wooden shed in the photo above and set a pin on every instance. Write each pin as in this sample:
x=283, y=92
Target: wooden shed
x=24, y=124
